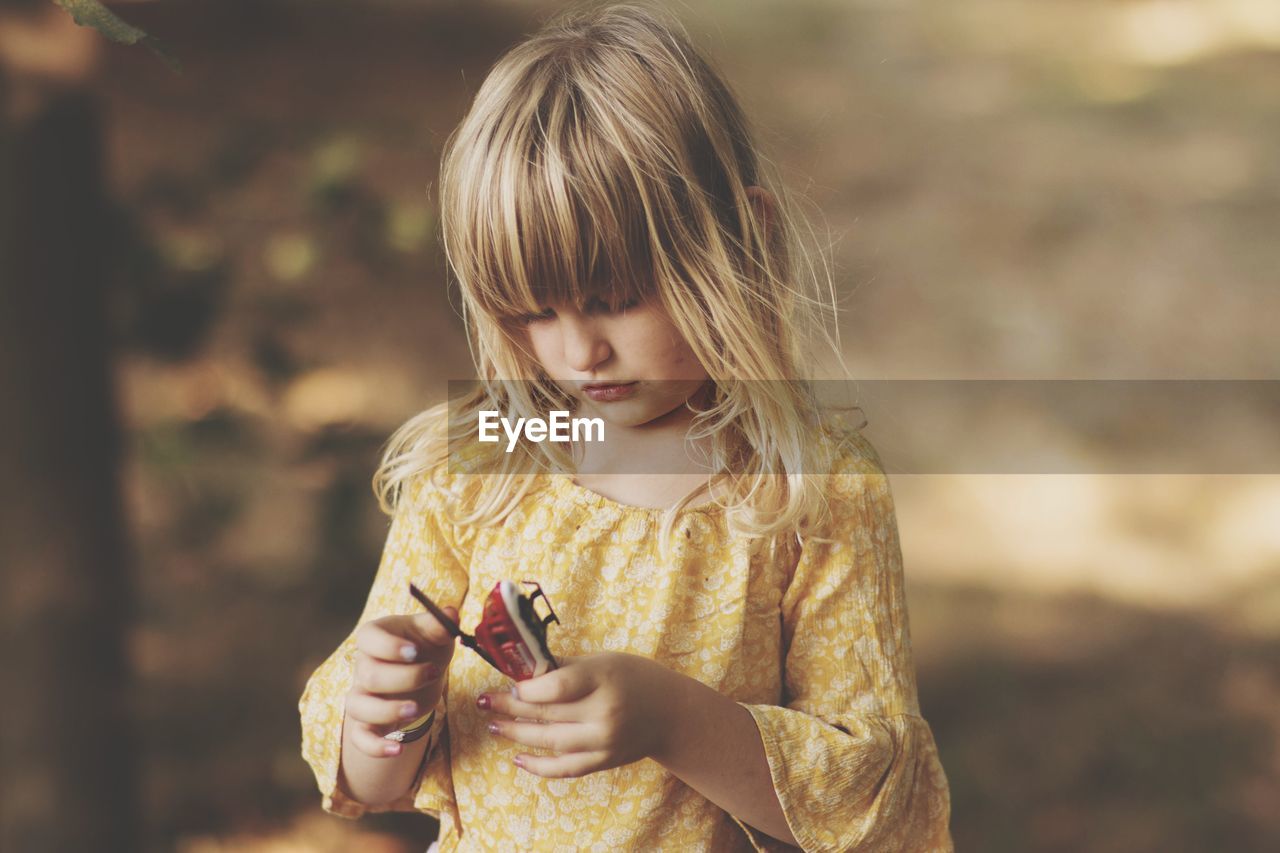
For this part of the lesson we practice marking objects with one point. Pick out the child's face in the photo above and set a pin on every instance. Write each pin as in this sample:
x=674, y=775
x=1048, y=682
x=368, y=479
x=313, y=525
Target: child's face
x=636, y=343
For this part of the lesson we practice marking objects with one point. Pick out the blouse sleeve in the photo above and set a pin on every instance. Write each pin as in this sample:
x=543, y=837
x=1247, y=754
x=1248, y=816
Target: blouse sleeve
x=422, y=547
x=854, y=765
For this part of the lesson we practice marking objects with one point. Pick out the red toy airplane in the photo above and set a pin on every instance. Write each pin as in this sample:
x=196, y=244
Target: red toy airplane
x=511, y=636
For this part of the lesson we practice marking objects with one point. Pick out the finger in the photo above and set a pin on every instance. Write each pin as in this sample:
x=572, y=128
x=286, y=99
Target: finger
x=380, y=677
x=371, y=742
x=566, y=684
x=377, y=640
x=406, y=638
x=505, y=703
x=557, y=737
x=566, y=766
x=383, y=710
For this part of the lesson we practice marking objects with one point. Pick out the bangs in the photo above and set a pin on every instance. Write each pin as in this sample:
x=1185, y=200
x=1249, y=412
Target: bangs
x=557, y=213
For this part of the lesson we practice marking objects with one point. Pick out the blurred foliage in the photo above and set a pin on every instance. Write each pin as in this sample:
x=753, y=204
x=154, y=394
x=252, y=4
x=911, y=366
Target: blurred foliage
x=169, y=295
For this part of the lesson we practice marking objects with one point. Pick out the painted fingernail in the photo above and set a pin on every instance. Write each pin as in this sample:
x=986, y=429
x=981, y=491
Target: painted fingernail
x=409, y=652
x=391, y=749
x=483, y=702
x=519, y=760
x=408, y=710
x=494, y=728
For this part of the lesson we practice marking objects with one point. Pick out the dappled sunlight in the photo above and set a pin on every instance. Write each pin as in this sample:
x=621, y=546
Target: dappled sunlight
x=155, y=392
x=290, y=256
x=331, y=395
x=1157, y=33
x=1174, y=32
x=409, y=226
x=1163, y=541
x=348, y=396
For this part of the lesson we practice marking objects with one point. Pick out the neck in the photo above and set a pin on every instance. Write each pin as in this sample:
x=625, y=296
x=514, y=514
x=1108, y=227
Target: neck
x=661, y=446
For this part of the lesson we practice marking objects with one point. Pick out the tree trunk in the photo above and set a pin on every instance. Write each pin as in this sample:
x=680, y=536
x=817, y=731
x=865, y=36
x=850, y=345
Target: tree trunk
x=67, y=756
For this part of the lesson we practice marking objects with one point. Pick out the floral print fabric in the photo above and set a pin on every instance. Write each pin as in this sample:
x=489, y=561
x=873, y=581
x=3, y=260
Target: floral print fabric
x=817, y=647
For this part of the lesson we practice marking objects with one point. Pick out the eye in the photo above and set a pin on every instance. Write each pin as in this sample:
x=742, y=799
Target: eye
x=604, y=307
x=541, y=317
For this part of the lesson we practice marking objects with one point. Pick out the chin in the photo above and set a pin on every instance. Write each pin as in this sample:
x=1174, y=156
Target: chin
x=624, y=413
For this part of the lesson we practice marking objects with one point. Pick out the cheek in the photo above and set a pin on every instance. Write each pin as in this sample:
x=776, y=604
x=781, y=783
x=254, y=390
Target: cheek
x=661, y=341
x=677, y=353
x=541, y=344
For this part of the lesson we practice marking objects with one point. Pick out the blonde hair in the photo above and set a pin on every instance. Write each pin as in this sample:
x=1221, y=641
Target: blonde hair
x=605, y=154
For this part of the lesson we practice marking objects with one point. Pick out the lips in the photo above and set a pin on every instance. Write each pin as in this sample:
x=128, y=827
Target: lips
x=597, y=386
x=605, y=392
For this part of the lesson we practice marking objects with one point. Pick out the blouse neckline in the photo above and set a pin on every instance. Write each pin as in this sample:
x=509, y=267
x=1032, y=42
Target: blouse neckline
x=566, y=485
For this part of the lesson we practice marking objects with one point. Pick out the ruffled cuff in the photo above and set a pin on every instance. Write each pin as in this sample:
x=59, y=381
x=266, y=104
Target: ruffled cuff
x=864, y=782
x=424, y=795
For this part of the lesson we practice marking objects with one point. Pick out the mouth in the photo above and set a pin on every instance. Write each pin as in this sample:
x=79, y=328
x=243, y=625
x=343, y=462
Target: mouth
x=599, y=385
x=605, y=391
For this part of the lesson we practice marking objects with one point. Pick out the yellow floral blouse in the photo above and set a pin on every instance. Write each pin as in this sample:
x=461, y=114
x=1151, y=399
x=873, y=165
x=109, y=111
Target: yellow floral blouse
x=818, y=650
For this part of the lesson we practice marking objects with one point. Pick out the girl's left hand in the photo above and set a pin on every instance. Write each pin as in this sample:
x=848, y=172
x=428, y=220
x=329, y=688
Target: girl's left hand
x=595, y=713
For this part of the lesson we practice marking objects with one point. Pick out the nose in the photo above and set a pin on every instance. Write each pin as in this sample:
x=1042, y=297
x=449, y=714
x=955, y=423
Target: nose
x=584, y=347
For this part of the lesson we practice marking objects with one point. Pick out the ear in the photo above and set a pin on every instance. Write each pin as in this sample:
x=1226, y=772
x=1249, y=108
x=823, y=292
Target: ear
x=765, y=207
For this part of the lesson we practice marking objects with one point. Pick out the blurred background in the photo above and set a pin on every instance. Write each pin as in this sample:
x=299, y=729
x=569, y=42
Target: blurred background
x=222, y=289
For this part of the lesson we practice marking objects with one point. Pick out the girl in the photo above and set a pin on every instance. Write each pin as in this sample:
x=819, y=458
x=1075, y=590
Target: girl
x=735, y=662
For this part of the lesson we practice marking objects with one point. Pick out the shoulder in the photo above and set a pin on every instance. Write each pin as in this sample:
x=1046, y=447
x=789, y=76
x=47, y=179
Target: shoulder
x=855, y=505
x=851, y=460
x=851, y=482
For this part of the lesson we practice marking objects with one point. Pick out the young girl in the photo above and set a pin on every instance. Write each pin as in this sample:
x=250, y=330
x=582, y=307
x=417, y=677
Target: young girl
x=735, y=661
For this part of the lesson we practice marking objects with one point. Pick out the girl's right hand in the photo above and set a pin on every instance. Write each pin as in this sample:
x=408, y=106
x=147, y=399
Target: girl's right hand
x=399, y=665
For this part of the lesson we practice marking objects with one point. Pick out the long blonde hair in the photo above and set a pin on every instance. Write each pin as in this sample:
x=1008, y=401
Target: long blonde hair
x=604, y=153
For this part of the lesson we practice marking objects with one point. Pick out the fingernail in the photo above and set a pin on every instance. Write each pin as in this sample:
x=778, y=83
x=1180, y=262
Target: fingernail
x=409, y=652
x=515, y=691
x=483, y=701
x=519, y=760
x=408, y=710
x=432, y=671
x=391, y=749
x=494, y=728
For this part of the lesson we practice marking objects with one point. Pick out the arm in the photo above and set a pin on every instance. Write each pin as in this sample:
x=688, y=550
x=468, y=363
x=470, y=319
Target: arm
x=853, y=762
x=714, y=747
x=421, y=547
